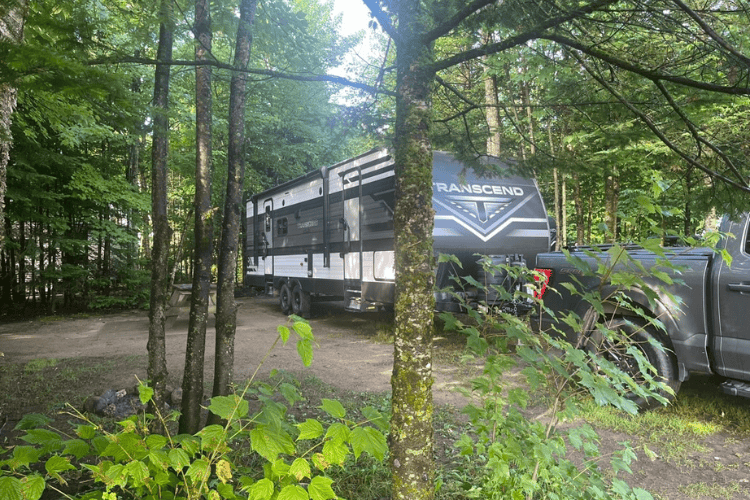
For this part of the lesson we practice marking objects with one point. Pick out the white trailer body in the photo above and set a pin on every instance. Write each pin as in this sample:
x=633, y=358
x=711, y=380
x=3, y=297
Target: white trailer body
x=329, y=234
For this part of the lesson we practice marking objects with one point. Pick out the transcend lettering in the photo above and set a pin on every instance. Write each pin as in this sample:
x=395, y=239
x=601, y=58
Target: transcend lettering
x=442, y=187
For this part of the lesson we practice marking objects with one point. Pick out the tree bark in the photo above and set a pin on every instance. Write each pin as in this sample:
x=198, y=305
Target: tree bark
x=11, y=29
x=611, y=202
x=192, y=382
x=157, y=351
x=578, y=202
x=493, y=106
x=411, y=437
x=226, y=309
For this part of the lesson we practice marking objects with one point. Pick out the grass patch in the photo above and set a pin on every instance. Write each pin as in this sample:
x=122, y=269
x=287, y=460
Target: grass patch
x=680, y=428
x=705, y=490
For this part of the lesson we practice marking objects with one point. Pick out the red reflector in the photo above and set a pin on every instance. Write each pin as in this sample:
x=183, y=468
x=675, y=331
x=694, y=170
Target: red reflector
x=546, y=275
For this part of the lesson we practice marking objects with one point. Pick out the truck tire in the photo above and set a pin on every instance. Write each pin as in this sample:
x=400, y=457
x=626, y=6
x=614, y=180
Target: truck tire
x=285, y=299
x=647, y=340
x=300, y=302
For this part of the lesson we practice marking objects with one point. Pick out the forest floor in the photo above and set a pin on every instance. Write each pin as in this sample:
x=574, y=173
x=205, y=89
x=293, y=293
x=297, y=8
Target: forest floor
x=354, y=358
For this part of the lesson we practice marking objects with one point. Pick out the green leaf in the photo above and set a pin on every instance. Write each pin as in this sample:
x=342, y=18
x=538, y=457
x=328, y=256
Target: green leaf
x=320, y=488
x=262, y=490
x=86, y=431
x=280, y=468
x=338, y=432
x=226, y=491
x=303, y=329
x=269, y=444
x=10, y=488
x=333, y=408
x=227, y=407
x=310, y=429
x=641, y=494
x=159, y=459
x=305, y=351
x=199, y=470
x=32, y=487
x=191, y=444
x=290, y=393
x=375, y=417
x=32, y=421
x=137, y=471
x=300, y=469
x=370, y=440
x=293, y=492
x=283, y=333
x=178, y=458
x=23, y=456
x=156, y=441
x=48, y=440
x=334, y=452
x=76, y=447
x=145, y=393
x=57, y=464
x=212, y=437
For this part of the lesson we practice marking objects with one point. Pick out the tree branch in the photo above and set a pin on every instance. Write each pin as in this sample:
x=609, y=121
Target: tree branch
x=696, y=134
x=646, y=73
x=710, y=32
x=455, y=20
x=382, y=18
x=742, y=184
x=521, y=38
x=252, y=71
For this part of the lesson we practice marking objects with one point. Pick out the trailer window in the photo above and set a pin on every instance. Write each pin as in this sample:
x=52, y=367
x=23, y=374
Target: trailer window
x=268, y=219
x=282, y=227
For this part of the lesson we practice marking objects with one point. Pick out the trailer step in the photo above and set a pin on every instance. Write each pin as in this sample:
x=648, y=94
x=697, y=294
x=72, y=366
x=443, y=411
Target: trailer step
x=736, y=388
x=353, y=299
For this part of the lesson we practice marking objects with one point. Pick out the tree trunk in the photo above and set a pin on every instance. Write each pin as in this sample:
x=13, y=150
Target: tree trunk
x=555, y=181
x=611, y=202
x=493, y=106
x=192, y=382
x=226, y=309
x=563, y=231
x=157, y=354
x=411, y=437
x=11, y=29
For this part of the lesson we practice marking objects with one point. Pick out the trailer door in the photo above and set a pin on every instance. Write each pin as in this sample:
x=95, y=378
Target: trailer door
x=352, y=190
x=352, y=242
x=267, y=232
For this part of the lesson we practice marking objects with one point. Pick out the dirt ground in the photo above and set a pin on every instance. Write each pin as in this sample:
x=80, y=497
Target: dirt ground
x=347, y=355
x=350, y=356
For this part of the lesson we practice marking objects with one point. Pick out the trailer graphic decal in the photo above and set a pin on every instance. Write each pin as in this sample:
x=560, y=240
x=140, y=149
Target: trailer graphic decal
x=483, y=216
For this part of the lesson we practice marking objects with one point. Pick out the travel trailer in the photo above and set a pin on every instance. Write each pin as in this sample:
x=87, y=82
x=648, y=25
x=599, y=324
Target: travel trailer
x=328, y=235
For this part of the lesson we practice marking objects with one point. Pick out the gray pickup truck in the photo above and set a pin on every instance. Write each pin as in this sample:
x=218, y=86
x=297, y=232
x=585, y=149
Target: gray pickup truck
x=705, y=312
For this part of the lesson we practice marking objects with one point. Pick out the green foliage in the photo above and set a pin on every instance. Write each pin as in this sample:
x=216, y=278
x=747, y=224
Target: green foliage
x=531, y=458
x=290, y=462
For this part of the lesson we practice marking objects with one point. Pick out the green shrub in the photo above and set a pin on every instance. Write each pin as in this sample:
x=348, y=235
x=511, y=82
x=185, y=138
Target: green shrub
x=288, y=461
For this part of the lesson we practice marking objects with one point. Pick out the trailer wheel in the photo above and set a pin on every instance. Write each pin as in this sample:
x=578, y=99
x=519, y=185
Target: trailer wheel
x=634, y=332
x=300, y=302
x=285, y=299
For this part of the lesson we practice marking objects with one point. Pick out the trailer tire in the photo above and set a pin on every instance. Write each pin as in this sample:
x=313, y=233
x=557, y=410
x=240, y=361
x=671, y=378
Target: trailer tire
x=285, y=299
x=300, y=302
x=645, y=338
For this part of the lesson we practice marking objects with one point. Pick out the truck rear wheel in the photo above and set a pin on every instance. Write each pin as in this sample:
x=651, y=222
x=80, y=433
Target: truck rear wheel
x=300, y=302
x=634, y=332
x=285, y=299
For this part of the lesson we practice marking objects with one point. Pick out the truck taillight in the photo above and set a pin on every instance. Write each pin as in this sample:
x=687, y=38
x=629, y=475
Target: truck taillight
x=542, y=276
